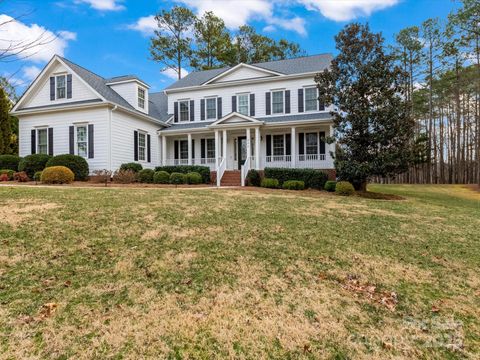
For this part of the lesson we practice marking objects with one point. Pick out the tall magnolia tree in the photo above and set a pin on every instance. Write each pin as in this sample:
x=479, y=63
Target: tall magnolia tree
x=372, y=122
x=172, y=45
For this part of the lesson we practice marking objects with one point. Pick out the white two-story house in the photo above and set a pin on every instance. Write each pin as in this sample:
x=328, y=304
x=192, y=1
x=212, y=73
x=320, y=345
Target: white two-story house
x=230, y=119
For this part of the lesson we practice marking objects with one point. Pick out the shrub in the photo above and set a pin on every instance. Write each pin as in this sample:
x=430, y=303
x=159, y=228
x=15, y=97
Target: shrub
x=21, y=176
x=270, y=183
x=57, y=175
x=161, y=177
x=124, y=176
x=101, y=176
x=77, y=164
x=253, y=178
x=177, y=178
x=4, y=177
x=33, y=163
x=344, y=188
x=9, y=162
x=37, y=176
x=293, y=185
x=135, y=167
x=193, y=178
x=204, y=171
x=312, y=178
x=7, y=172
x=330, y=186
x=146, y=176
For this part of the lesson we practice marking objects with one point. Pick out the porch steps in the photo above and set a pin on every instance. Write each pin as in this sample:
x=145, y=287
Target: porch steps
x=231, y=178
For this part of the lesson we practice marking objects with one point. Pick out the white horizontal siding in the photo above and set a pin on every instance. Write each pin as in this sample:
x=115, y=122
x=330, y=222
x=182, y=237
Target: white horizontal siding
x=60, y=122
x=129, y=91
x=123, y=127
x=243, y=73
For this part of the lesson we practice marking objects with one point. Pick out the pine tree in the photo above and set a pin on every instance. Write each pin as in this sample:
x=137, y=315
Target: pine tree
x=372, y=122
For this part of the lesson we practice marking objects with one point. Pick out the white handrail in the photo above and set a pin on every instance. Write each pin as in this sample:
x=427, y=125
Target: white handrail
x=245, y=168
x=221, y=170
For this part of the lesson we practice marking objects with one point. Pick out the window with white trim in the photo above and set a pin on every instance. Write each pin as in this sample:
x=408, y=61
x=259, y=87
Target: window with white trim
x=210, y=148
x=311, y=143
x=211, y=108
x=82, y=141
x=42, y=141
x=184, y=110
x=242, y=100
x=277, y=102
x=278, y=145
x=142, y=146
x=61, y=86
x=311, y=99
x=141, y=98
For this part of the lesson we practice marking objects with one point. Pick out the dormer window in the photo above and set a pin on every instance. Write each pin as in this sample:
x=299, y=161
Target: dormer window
x=141, y=98
x=61, y=86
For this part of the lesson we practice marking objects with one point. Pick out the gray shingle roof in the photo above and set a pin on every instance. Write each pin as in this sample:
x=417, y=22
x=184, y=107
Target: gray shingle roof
x=158, y=106
x=124, y=78
x=299, y=65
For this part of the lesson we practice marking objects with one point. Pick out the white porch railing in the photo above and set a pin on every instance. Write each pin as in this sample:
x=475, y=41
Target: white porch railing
x=210, y=162
x=221, y=170
x=284, y=161
x=314, y=161
x=245, y=168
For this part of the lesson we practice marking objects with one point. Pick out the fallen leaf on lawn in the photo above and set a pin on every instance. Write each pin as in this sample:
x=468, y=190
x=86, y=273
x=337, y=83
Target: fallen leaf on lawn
x=48, y=309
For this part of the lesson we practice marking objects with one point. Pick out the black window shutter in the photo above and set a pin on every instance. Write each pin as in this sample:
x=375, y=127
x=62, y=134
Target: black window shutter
x=33, y=148
x=193, y=148
x=52, y=88
x=175, y=145
x=300, y=100
x=267, y=103
x=71, y=136
x=50, y=141
x=320, y=105
x=269, y=145
x=287, y=101
x=234, y=103
x=149, y=151
x=202, y=109
x=322, y=142
x=175, y=111
x=288, y=144
x=219, y=108
x=301, y=139
x=69, y=86
x=135, y=145
x=91, y=152
x=192, y=110
x=202, y=148
x=252, y=104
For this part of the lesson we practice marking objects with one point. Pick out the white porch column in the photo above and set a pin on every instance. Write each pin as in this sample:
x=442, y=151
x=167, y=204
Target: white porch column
x=224, y=137
x=189, y=138
x=249, y=145
x=293, y=143
x=257, y=148
x=217, y=149
x=164, y=150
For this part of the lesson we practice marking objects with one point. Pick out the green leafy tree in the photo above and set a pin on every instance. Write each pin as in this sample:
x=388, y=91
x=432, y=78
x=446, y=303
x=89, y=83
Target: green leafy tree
x=172, y=46
x=373, y=126
x=5, y=123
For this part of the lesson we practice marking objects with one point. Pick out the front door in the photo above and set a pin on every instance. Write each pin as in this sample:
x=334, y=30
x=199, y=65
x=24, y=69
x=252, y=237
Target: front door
x=241, y=151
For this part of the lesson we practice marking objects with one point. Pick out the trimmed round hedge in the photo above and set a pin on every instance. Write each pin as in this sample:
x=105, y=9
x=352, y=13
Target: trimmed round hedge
x=177, y=178
x=146, y=176
x=77, y=164
x=293, y=185
x=135, y=167
x=161, y=177
x=37, y=176
x=270, y=183
x=330, y=186
x=57, y=175
x=253, y=178
x=344, y=188
x=9, y=162
x=193, y=178
x=33, y=163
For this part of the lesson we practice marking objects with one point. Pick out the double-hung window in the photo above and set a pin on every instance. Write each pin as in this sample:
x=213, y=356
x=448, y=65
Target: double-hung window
x=210, y=149
x=211, y=108
x=141, y=98
x=278, y=145
x=82, y=141
x=311, y=99
x=277, y=102
x=184, y=110
x=42, y=141
x=311, y=143
x=242, y=104
x=142, y=146
x=61, y=86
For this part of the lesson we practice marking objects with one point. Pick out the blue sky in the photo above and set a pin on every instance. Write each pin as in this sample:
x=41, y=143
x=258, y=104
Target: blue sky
x=111, y=37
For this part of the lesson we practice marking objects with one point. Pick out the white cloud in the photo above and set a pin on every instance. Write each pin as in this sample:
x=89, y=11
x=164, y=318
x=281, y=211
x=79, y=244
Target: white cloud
x=30, y=72
x=103, y=5
x=344, y=10
x=146, y=25
x=296, y=24
x=172, y=74
x=269, y=28
x=43, y=43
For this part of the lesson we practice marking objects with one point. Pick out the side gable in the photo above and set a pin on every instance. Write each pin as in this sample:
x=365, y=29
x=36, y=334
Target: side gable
x=242, y=72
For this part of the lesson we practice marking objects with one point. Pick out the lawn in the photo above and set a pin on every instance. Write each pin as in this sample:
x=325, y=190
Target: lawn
x=206, y=274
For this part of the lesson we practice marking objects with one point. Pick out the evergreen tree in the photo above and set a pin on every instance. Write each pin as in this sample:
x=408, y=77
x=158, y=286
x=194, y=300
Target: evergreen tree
x=5, y=123
x=373, y=125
